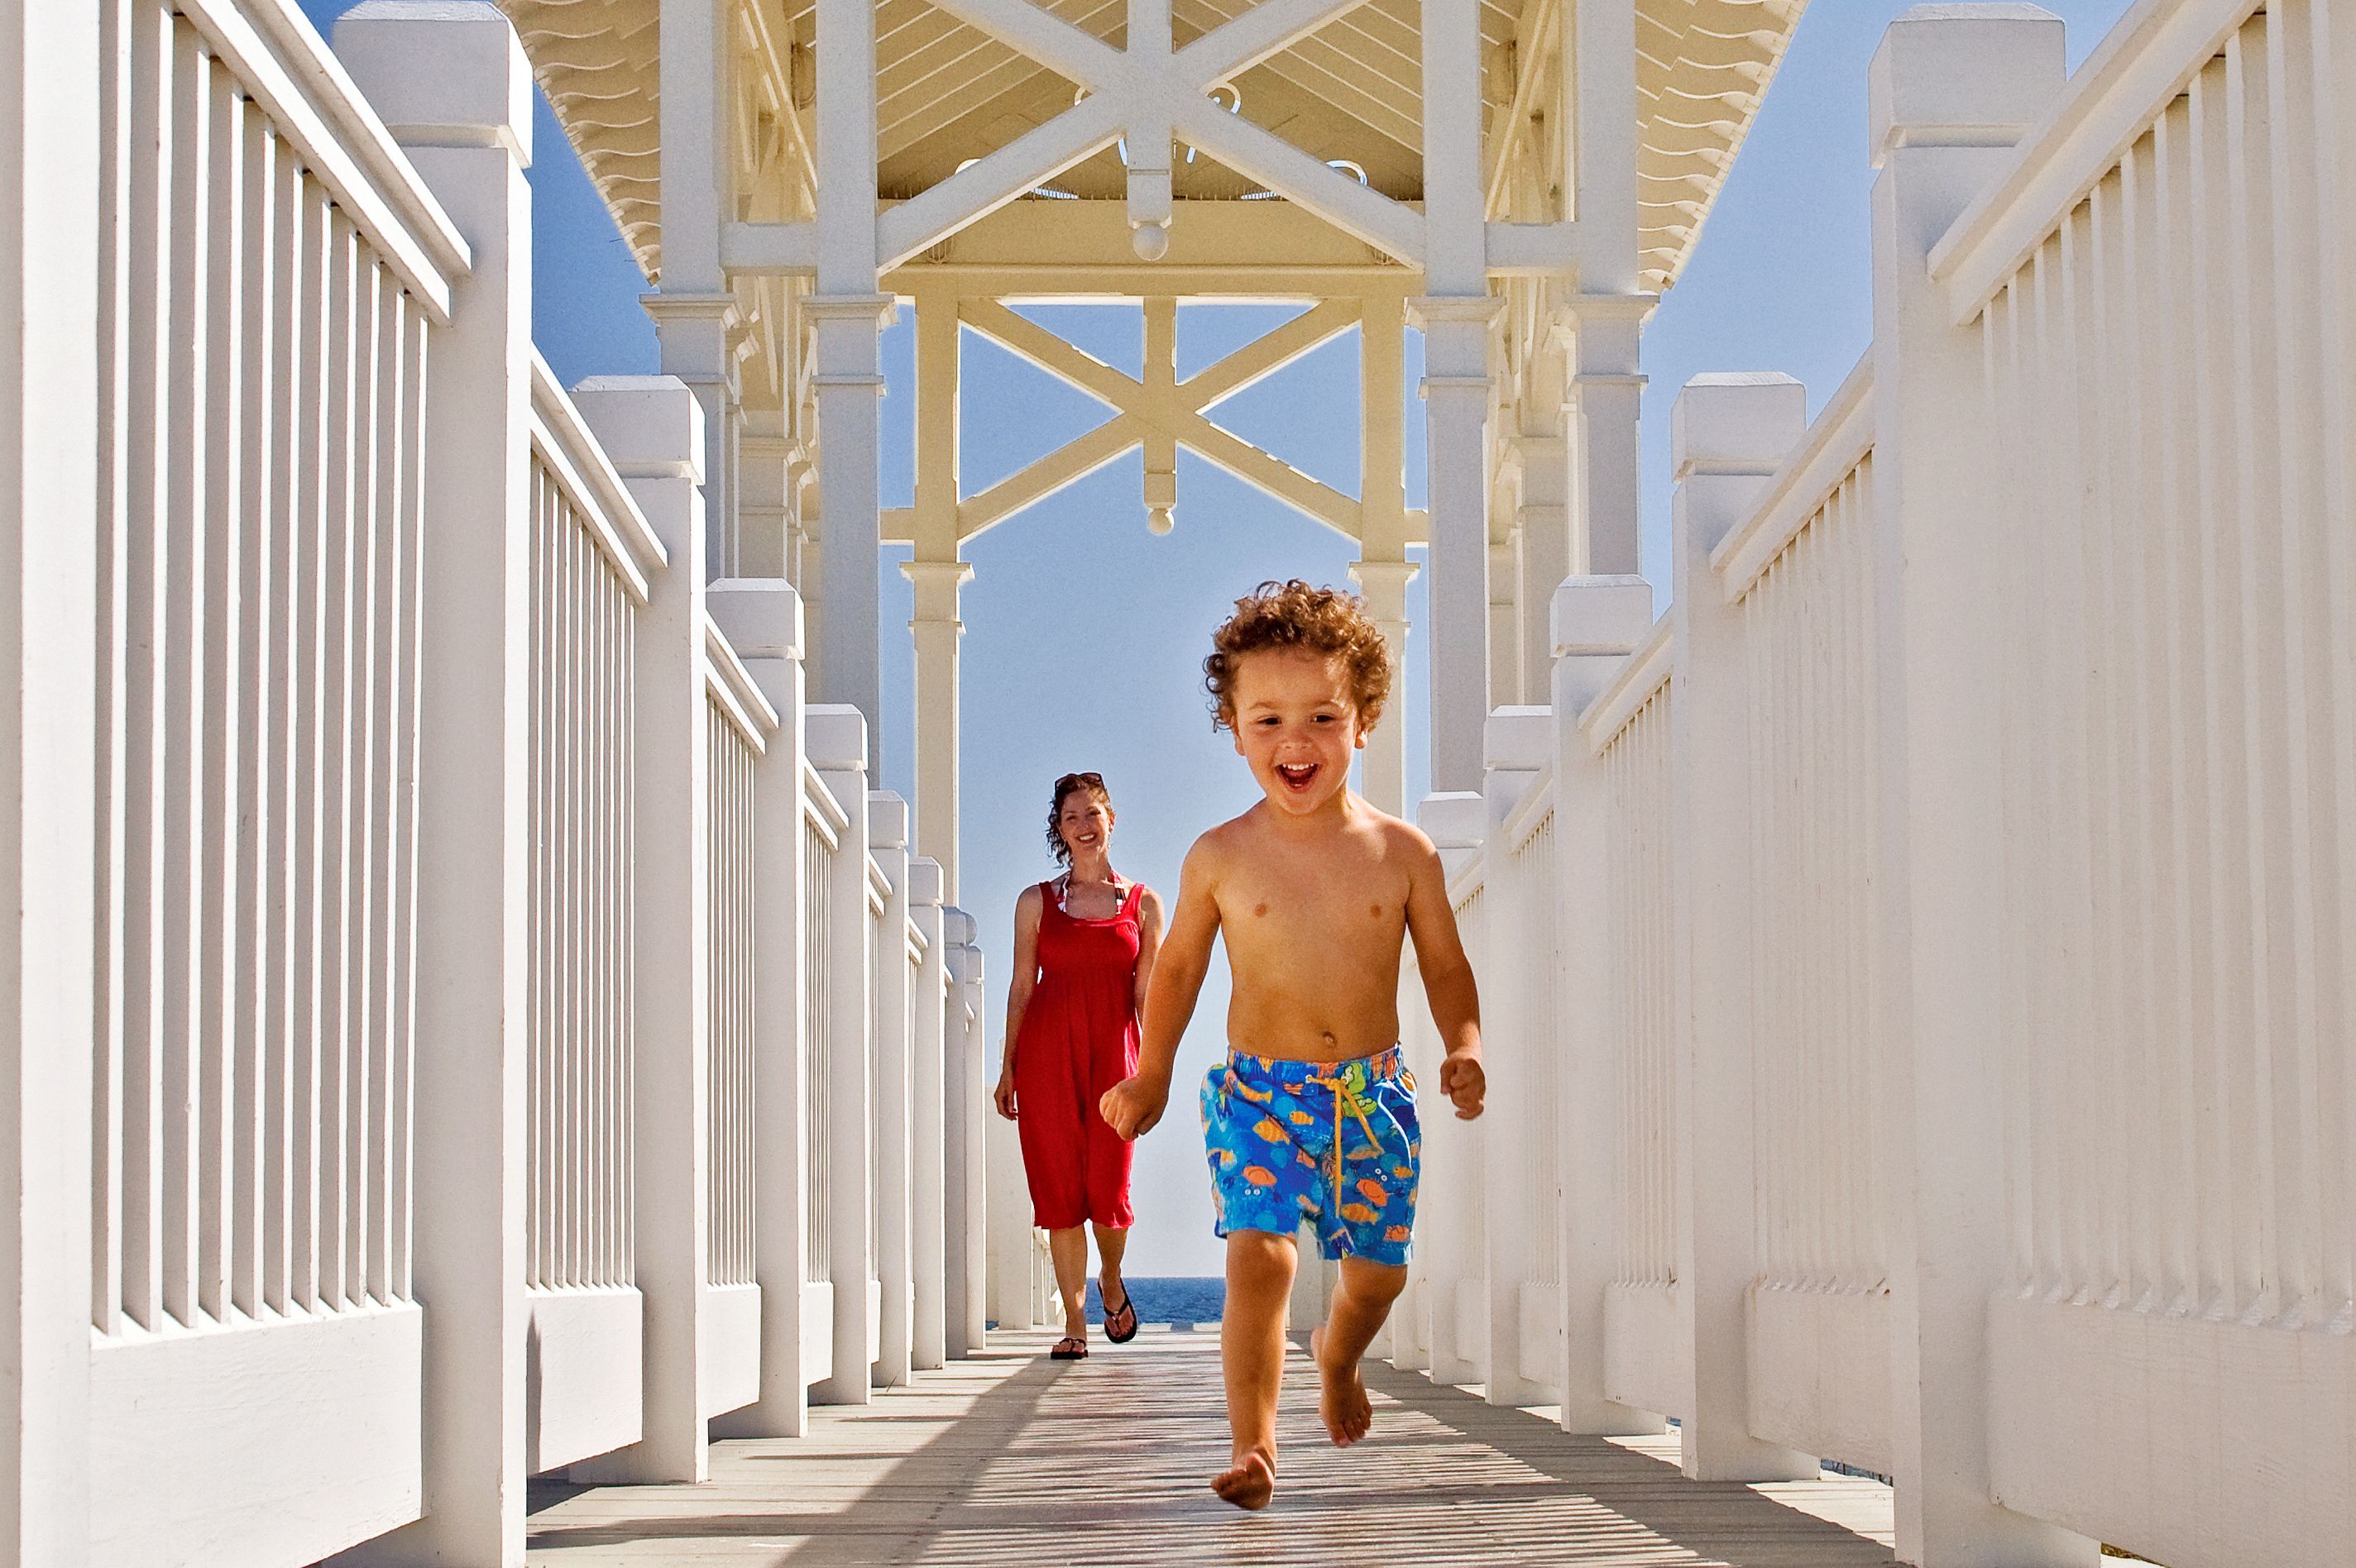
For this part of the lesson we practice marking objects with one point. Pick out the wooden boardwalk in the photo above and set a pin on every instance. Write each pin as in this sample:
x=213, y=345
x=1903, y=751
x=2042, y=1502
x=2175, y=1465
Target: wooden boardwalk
x=1014, y=1459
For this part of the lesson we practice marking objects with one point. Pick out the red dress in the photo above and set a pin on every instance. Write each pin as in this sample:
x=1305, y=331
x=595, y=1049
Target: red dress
x=1078, y=1039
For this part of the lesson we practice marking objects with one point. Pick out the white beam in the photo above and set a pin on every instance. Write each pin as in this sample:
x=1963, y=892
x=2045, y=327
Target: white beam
x=1391, y=227
x=1068, y=465
x=770, y=247
x=1263, y=30
x=1043, y=36
x=1270, y=352
x=983, y=186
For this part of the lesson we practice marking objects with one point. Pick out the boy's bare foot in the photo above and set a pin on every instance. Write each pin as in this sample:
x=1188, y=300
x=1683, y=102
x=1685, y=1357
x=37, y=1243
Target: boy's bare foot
x=1342, y=1401
x=1250, y=1483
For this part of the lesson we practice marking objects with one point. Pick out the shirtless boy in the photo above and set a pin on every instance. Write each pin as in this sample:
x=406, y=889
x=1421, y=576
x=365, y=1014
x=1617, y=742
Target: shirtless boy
x=1311, y=1117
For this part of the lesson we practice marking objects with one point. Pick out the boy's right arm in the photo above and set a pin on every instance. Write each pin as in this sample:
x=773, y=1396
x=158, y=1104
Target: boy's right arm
x=1132, y=1106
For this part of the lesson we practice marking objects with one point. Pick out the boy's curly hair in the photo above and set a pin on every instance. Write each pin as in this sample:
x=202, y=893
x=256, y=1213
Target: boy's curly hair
x=1295, y=615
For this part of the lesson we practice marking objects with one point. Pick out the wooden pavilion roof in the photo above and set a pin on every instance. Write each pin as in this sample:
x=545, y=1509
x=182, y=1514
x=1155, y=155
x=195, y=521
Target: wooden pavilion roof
x=948, y=93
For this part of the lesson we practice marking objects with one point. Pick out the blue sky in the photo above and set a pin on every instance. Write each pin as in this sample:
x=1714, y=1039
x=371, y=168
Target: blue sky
x=1085, y=634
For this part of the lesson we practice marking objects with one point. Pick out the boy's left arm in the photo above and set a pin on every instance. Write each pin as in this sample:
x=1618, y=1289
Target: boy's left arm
x=1447, y=979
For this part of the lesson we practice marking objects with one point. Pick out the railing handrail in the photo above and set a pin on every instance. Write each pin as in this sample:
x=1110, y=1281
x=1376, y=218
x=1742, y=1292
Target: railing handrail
x=2142, y=66
x=562, y=439
x=824, y=813
x=1841, y=440
x=1522, y=821
x=285, y=66
x=732, y=688
x=1642, y=674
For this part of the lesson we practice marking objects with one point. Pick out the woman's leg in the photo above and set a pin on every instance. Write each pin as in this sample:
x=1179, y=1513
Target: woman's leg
x=1112, y=1242
x=1069, y=1248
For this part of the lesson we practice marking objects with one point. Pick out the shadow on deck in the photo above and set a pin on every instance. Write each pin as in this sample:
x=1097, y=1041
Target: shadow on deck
x=1014, y=1459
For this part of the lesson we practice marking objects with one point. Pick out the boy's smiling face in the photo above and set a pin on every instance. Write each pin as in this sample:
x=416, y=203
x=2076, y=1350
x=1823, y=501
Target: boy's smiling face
x=1296, y=725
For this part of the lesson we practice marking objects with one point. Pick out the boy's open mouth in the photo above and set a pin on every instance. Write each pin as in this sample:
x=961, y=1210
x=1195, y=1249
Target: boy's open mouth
x=1296, y=776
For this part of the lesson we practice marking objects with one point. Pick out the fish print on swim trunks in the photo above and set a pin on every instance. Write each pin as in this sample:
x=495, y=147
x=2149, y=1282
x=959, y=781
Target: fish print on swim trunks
x=1334, y=1144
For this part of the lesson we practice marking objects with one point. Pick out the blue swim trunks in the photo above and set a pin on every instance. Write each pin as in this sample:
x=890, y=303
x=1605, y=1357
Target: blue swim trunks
x=1332, y=1144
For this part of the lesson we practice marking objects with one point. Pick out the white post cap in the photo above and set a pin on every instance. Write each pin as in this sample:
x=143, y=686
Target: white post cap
x=1609, y=615
x=1745, y=423
x=1455, y=819
x=887, y=820
x=836, y=734
x=925, y=886
x=441, y=72
x=1518, y=739
x=1963, y=76
x=650, y=426
x=760, y=616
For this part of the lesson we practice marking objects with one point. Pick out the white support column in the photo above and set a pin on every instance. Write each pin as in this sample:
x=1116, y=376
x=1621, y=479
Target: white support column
x=1728, y=436
x=451, y=83
x=762, y=620
x=1597, y=623
x=652, y=428
x=1446, y=1268
x=940, y=578
x=1518, y=744
x=966, y=1092
x=762, y=546
x=1505, y=594
x=849, y=315
x=837, y=751
x=1950, y=92
x=1602, y=458
x=1456, y=414
x=49, y=527
x=695, y=315
x=1385, y=572
x=1543, y=537
x=929, y=1133
x=890, y=1112
x=1455, y=314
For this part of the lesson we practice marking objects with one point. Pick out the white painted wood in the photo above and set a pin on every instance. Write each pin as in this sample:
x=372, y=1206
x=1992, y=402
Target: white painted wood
x=928, y=1218
x=50, y=207
x=1932, y=74
x=1447, y=1264
x=762, y=620
x=470, y=109
x=837, y=740
x=278, y=1440
x=730, y=1342
x=586, y=1352
x=892, y=1113
x=1647, y=1350
x=966, y=1087
x=1595, y=623
x=1819, y=1373
x=1728, y=436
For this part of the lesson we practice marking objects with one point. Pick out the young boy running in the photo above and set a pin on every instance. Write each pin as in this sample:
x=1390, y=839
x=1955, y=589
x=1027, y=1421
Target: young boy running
x=1311, y=1117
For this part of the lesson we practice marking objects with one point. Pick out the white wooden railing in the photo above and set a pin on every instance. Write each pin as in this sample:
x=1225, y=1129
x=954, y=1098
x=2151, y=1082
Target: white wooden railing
x=441, y=870
x=1955, y=886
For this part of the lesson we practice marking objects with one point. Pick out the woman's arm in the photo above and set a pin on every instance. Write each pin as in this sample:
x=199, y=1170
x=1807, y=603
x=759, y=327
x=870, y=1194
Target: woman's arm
x=1181, y=960
x=1447, y=980
x=1149, y=945
x=1017, y=993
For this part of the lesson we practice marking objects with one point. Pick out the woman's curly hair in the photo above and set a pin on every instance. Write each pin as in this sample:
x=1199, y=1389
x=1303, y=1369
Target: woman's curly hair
x=1295, y=615
x=1067, y=786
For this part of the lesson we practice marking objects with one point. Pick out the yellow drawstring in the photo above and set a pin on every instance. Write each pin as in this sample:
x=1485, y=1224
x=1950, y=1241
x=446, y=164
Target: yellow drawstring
x=1347, y=1101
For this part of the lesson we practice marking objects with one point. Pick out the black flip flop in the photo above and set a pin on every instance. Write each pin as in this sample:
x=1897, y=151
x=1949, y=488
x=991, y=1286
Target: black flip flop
x=1061, y=1354
x=1128, y=1310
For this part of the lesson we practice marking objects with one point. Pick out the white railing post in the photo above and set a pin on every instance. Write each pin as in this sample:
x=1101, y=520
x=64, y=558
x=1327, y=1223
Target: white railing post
x=762, y=620
x=1516, y=745
x=1950, y=93
x=1008, y=1219
x=48, y=640
x=887, y=838
x=451, y=83
x=1446, y=1264
x=927, y=1147
x=836, y=740
x=1597, y=623
x=965, y=1091
x=651, y=428
x=1727, y=436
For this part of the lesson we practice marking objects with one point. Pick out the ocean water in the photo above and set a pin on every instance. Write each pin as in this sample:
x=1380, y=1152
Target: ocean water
x=1169, y=1300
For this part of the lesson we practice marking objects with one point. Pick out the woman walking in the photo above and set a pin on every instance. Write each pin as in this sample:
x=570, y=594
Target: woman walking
x=1084, y=946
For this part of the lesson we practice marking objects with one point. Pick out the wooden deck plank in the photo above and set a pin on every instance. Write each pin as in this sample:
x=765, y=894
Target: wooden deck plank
x=1013, y=1459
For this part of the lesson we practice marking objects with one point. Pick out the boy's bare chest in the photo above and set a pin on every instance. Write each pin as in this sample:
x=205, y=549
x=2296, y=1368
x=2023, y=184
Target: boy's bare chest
x=1307, y=904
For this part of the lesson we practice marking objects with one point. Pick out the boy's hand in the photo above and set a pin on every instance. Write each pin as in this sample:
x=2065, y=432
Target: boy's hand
x=1131, y=1106
x=1462, y=1080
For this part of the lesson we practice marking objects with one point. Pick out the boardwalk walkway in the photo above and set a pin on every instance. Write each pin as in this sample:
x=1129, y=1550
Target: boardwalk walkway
x=1014, y=1459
